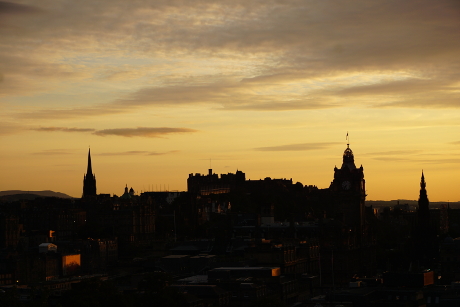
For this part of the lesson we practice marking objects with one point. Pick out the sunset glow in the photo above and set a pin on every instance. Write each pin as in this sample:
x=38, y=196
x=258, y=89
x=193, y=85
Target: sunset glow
x=161, y=89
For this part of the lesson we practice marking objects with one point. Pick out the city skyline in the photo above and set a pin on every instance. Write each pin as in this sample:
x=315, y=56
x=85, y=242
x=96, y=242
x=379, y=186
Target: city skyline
x=160, y=90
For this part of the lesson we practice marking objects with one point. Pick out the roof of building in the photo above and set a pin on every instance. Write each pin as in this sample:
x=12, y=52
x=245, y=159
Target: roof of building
x=348, y=159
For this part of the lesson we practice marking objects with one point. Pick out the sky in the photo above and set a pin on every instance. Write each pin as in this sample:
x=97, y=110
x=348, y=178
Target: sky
x=161, y=89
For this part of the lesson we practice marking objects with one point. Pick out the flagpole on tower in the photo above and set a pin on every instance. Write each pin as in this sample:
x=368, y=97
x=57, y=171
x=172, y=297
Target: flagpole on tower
x=348, y=141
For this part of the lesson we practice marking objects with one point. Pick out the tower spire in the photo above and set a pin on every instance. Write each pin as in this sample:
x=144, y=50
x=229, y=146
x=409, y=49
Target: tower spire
x=89, y=169
x=423, y=203
x=423, y=187
x=89, y=180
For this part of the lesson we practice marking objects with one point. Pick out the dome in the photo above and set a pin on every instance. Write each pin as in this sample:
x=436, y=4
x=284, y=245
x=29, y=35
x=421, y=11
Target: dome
x=348, y=159
x=126, y=195
x=348, y=154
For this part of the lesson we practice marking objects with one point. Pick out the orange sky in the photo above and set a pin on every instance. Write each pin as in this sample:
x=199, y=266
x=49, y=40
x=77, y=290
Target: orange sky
x=157, y=88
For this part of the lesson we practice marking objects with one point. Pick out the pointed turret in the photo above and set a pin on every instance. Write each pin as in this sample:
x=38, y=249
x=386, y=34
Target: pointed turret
x=423, y=203
x=89, y=180
x=425, y=233
x=89, y=169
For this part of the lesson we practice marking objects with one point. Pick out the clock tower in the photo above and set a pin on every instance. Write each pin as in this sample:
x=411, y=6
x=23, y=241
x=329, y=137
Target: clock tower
x=348, y=192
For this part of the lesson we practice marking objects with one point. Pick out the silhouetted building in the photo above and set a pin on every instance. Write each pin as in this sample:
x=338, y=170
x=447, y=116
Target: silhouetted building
x=423, y=205
x=10, y=230
x=349, y=192
x=346, y=243
x=212, y=184
x=52, y=219
x=293, y=257
x=89, y=180
x=444, y=219
x=449, y=260
x=210, y=294
x=130, y=218
x=426, y=244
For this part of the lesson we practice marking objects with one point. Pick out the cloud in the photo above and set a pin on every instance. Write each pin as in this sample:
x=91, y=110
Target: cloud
x=63, y=129
x=218, y=94
x=138, y=152
x=409, y=92
x=143, y=131
x=393, y=159
x=151, y=132
x=396, y=87
x=10, y=8
x=223, y=94
x=393, y=153
x=410, y=156
x=455, y=143
x=155, y=153
x=54, y=152
x=298, y=147
x=180, y=94
x=7, y=128
x=442, y=161
x=281, y=105
x=252, y=55
x=97, y=110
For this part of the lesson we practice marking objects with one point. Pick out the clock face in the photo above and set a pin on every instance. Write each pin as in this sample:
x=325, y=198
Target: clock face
x=346, y=185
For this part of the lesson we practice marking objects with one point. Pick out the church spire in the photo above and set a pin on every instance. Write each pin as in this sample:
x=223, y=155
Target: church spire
x=89, y=180
x=423, y=203
x=89, y=170
x=423, y=194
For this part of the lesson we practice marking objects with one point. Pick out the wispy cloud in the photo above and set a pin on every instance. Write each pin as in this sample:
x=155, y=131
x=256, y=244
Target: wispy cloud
x=10, y=8
x=393, y=153
x=52, y=152
x=442, y=161
x=143, y=131
x=150, y=132
x=396, y=87
x=282, y=105
x=96, y=110
x=298, y=147
x=437, y=159
x=393, y=159
x=138, y=153
x=7, y=128
x=254, y=49
x=63, y=129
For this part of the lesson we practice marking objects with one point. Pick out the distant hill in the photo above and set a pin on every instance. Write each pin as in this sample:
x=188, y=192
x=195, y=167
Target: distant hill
x=391, y=203
x=14, y=195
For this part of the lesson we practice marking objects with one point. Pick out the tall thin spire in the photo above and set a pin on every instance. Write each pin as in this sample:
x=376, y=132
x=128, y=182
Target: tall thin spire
x=423, y=203
x=89, y=180
x=423, y=187
x=89, y=170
